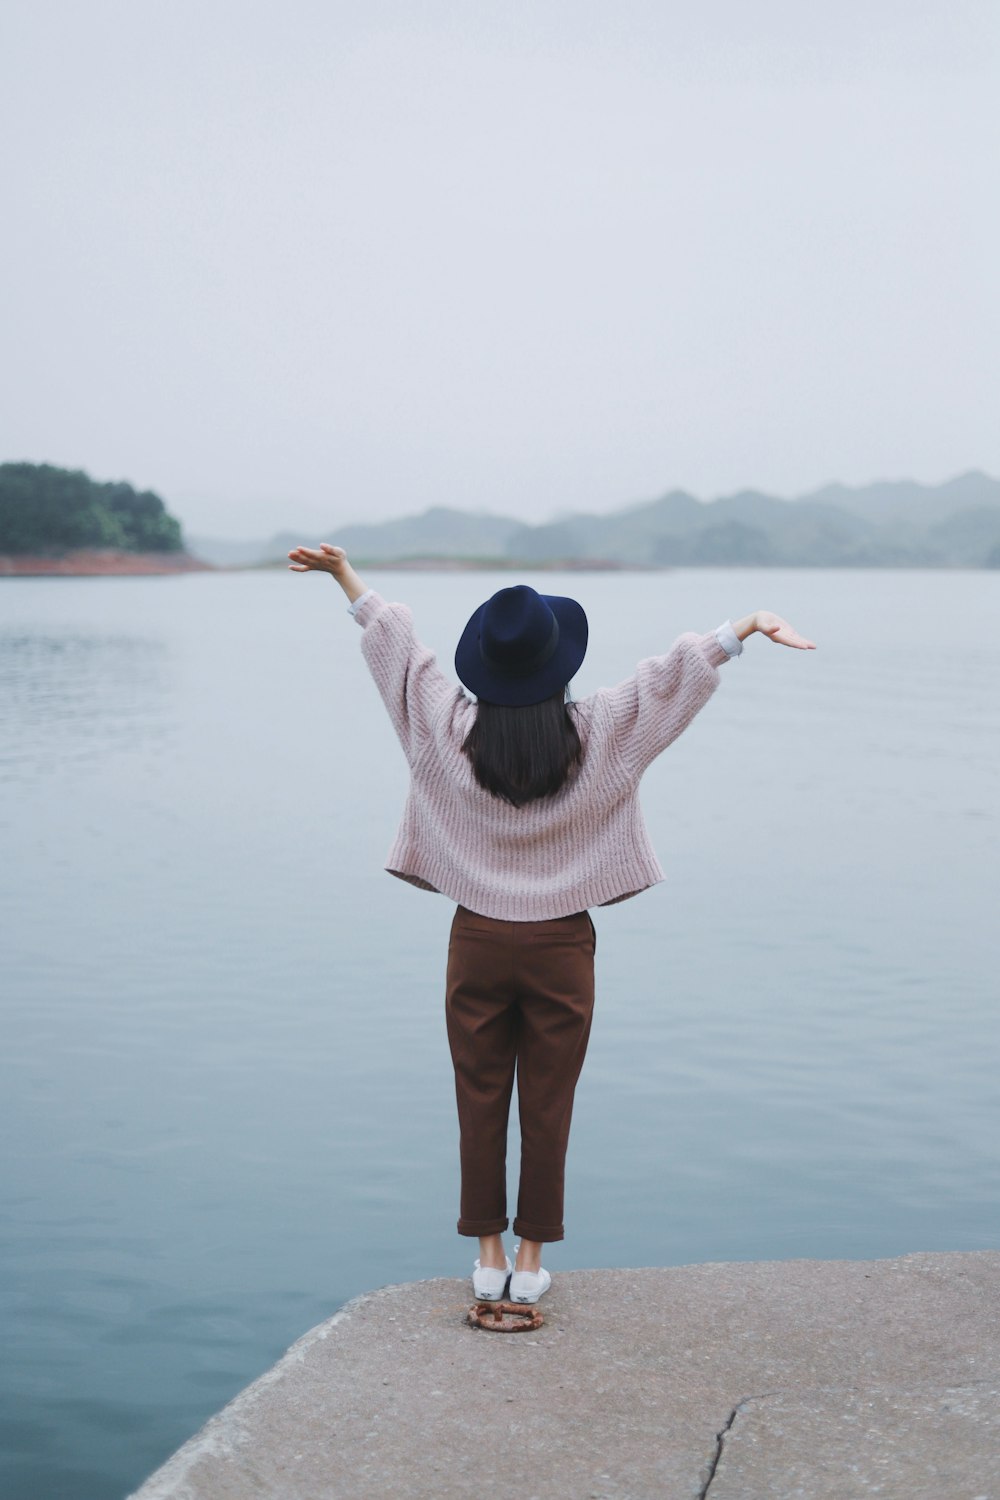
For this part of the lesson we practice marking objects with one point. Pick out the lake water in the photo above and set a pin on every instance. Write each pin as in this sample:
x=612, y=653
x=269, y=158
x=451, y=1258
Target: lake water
x=227, y=1103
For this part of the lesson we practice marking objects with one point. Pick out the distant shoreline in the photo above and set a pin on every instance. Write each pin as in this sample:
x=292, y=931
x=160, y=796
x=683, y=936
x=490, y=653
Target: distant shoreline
x=93, y=562
x=471, y=565
x=597, y=565
x=110, y=563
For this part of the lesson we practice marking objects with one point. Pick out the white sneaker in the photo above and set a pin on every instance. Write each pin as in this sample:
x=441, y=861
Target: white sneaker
x=528, y=1286
x=488, y=1283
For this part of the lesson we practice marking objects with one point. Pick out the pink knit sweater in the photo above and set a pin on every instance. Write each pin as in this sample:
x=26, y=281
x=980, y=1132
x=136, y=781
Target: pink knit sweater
x=585, y=846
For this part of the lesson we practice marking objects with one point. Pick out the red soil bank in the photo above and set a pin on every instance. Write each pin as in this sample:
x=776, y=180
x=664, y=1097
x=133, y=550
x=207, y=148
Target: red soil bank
x=93, y=562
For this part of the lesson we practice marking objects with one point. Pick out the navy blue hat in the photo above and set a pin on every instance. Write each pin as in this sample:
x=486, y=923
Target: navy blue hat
x=521, y=647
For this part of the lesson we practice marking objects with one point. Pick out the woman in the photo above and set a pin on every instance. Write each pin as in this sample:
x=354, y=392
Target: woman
x=523, y=809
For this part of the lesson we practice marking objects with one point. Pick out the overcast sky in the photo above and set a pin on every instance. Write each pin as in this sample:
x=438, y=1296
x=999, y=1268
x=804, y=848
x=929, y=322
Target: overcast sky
x=295, y=264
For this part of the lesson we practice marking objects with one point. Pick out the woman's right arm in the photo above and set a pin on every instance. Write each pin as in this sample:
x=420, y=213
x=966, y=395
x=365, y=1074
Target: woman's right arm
x=406, y=672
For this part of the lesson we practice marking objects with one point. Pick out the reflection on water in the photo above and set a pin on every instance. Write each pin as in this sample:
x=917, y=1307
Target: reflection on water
x=226, y=1100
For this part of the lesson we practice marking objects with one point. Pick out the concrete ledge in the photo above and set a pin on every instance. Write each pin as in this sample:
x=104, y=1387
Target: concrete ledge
x=740, y=1381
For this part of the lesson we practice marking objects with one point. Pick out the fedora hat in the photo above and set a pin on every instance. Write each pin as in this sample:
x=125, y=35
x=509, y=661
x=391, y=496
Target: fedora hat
x=521, y=647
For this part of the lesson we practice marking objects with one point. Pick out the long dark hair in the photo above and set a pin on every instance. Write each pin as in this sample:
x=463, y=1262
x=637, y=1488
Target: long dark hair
x=526, y=752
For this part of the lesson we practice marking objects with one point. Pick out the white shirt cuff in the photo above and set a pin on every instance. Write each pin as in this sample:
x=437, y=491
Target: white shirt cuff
x=352, y=609
x=729, y=640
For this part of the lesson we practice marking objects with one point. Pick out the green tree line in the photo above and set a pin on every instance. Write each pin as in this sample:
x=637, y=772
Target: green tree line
x=47, y=510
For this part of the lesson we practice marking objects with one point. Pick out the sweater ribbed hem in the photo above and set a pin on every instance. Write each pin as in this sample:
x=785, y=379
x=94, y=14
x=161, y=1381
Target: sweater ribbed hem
x=512, y=906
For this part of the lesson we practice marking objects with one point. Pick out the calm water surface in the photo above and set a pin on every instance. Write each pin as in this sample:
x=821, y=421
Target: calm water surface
x=227, y=1103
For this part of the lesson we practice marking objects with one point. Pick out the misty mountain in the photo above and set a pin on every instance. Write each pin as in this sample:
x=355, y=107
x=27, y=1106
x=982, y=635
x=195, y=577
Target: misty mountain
x=438, y=532
x=888, y=524
x=904, y=500
x=969, y=536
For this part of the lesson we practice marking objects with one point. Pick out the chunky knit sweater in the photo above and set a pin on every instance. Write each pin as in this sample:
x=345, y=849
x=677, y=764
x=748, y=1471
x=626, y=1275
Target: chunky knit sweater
x=587, y=844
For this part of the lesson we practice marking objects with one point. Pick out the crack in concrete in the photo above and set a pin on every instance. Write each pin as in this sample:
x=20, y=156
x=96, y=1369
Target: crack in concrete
x=720, y=1436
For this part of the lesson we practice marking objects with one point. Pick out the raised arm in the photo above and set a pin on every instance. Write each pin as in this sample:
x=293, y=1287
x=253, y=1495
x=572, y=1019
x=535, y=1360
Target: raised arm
x=657, y=703
x=406, y=673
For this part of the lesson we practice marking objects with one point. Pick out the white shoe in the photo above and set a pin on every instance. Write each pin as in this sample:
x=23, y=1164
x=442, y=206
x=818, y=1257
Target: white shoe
x=528, y=1286
x=488, y=1283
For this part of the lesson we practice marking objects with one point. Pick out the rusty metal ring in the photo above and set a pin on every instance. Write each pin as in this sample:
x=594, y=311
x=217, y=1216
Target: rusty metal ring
x=505, y=1317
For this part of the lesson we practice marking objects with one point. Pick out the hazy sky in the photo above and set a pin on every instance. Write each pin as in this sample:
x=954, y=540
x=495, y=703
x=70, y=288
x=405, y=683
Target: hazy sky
x=294, y=264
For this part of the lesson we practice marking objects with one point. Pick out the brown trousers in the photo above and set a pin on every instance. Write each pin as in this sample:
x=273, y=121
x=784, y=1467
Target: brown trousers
x=519, y=996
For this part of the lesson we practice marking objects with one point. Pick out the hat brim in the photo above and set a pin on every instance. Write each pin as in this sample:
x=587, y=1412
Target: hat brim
x=560, y=669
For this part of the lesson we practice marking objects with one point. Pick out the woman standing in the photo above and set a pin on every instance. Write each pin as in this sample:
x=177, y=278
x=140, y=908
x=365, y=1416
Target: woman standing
x=523, y=809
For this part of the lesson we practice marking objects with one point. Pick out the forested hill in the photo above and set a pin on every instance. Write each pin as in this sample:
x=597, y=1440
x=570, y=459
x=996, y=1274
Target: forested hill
x=46, y=511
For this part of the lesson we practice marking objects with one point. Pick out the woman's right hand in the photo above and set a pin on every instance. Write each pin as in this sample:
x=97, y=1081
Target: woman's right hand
x=328, y=559
x=325, y=559
x=779, y=630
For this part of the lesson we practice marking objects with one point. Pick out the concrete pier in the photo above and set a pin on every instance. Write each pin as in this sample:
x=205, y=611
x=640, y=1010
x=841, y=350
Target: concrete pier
x=737, y=1381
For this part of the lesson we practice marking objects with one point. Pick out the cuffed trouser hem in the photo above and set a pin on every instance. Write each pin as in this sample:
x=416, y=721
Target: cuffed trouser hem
x=539, y=1232
x=479, y=1227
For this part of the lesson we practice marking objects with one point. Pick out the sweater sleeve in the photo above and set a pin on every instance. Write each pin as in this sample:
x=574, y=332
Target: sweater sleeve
x=653, y=706
x=406, y=673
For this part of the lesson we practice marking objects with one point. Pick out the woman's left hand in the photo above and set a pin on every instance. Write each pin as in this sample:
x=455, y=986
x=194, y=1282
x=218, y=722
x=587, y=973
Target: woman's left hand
x=779, y=630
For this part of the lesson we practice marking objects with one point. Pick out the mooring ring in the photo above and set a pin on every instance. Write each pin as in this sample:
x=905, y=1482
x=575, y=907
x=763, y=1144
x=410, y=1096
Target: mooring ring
x=505, y=1317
